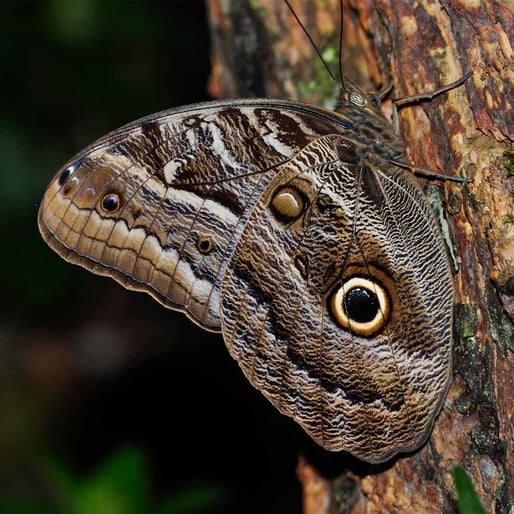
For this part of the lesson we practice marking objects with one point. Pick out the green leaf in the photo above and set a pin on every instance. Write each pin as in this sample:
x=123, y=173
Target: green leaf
x=467, y=498
x=120, y=485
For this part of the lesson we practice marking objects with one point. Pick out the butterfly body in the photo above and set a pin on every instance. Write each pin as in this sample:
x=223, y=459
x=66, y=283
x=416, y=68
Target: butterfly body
x=287, y=228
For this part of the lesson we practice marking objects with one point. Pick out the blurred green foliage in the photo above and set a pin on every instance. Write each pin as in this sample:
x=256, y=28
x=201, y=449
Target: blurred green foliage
x=121, y=485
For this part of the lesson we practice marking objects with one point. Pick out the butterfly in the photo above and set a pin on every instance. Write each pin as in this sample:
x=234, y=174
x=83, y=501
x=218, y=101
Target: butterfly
x=293, y=231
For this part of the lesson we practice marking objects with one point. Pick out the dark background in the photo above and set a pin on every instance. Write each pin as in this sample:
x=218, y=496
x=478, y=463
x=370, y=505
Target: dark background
x=87, y=367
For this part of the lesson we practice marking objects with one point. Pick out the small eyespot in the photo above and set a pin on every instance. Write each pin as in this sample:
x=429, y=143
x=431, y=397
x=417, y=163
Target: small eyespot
x=288, y=204
x=361, y=305
x=65, y=175
x=323, y=202
x=205, y=245
x=111, y=202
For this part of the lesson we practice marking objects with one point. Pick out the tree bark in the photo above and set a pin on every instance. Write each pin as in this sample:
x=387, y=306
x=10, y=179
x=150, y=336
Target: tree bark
x=260, y=50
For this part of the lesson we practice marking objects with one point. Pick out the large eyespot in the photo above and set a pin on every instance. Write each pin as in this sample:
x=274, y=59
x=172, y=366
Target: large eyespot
x=111, y=203
x=362, y=305
x=288, y=204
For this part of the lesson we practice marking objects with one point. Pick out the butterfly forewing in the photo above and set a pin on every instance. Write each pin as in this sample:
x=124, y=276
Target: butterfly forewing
x=159, y=204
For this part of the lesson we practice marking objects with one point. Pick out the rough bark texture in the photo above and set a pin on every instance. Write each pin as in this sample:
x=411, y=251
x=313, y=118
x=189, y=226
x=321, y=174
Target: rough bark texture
x=260, y=50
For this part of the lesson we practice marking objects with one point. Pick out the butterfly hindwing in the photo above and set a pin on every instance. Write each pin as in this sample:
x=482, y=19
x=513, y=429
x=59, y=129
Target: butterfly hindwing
x=328, y=220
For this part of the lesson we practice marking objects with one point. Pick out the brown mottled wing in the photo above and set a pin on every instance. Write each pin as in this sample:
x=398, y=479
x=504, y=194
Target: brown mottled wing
x=374, y=395
x=159, y=204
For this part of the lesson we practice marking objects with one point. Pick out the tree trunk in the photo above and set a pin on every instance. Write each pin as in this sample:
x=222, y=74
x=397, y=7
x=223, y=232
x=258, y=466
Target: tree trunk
x=260, y=50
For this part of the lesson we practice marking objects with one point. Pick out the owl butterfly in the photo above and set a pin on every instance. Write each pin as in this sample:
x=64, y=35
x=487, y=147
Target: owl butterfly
x=289, y=229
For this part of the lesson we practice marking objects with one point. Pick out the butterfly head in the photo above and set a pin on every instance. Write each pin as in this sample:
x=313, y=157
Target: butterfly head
x=352, y=96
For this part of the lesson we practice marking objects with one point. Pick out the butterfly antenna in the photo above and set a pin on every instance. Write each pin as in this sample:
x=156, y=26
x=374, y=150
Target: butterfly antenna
x=341, y=75
x=306, y=32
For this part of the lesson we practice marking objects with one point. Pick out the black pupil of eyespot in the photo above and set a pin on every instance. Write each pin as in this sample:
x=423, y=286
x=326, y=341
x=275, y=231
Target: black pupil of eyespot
x=63, y=177
x=110, y=203
x=205, y=245
x=361, y=305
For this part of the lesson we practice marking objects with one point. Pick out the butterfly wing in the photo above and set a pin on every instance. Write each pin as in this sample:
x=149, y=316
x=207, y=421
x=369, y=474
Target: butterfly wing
x=327, y=277
x=159, y=204
x=337, y=301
